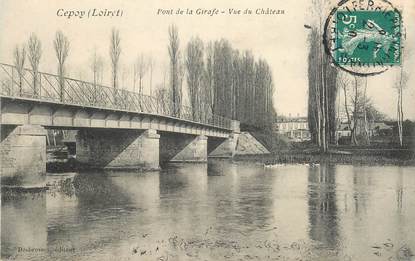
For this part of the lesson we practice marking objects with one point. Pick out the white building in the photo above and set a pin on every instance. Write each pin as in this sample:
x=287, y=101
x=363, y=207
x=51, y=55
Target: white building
x=294, y=128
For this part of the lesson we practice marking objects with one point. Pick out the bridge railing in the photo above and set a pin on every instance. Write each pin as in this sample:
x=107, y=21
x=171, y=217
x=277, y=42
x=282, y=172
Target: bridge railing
x=49, y=87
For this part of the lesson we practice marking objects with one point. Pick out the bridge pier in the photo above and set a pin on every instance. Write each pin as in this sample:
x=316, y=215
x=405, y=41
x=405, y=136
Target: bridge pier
x=118, y=149
x=183, y=148
x=23, y=155
x=223, y=148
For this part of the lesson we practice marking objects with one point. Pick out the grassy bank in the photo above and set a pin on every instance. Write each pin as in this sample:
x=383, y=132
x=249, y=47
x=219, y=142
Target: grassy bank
x=284, y=151
x=366, y=157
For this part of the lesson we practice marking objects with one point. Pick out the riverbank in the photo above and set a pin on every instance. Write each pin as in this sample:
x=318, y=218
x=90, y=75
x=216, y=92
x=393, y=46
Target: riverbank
x=359, y=156
x=380, y=151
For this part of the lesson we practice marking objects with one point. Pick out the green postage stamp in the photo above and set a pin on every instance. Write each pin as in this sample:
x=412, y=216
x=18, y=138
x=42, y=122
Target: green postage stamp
x=365, y=38
x=368, y=37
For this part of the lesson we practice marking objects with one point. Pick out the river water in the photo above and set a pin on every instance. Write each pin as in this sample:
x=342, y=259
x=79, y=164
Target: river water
x=217, y=211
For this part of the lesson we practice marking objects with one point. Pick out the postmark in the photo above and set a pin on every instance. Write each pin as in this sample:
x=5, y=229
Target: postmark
x=364, y=37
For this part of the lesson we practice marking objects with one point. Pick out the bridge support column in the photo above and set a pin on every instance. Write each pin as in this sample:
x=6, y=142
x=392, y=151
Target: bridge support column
x=23, y=155
x=223, y=148
x=118, y=149
x=183, y=148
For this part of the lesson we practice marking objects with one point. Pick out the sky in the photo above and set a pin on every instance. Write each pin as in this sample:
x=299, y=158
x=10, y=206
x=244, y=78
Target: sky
x=280, y=39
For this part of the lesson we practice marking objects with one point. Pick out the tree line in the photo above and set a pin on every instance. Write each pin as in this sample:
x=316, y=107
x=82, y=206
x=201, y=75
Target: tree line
x=214, y=77
x=222, y=80
x=32, y=50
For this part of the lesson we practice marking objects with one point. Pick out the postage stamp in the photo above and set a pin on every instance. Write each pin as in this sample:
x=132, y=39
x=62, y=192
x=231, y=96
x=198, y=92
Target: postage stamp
x=364, y=37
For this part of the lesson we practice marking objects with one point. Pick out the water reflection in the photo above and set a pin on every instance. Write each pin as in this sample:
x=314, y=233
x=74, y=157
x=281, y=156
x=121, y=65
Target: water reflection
x=362, y=181
x=399, y=191
x=183, y=198
x=220, y=167
x=23, y=224
x=97, y=191
x=322, y=205
x=236, y=195
x=218, y=211
x=106, y=208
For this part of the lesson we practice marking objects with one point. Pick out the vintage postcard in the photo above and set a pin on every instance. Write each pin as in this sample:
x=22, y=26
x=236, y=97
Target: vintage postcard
x=207, y=130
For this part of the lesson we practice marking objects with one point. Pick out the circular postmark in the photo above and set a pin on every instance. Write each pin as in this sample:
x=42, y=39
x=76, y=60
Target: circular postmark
x=363, y=37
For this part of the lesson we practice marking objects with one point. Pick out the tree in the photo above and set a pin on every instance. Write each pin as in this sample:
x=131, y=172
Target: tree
x=247, y=97
x=35, y=53
x=115, y=52
x=400, y=85
x=322, y=85
x=357, y=105
x=140, y=69
x=151, y=63
x=236, y=83
x=222, y=78
x=208, y=89
x=373, y=114
x=124, y=77
x=174, y=54
x=164, y=102
x=97, y=68
x=195, y=68
x=181, y=71
x=365, y=117
x=355, y=101
x=314, y=108
x=61, y=44
x=264, y=89
x=344, y=82
x=19, y=61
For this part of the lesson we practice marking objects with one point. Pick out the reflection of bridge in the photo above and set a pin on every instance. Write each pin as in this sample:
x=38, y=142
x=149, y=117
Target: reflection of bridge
x=117, y=128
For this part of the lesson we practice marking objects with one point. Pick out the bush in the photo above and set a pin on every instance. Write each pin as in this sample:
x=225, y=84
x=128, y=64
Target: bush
x=345, y=140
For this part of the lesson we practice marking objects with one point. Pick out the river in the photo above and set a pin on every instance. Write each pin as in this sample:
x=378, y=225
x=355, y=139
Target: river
x=217, y=211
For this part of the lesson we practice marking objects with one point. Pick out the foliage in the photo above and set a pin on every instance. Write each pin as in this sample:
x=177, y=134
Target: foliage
x=19, y=62
x=34, y=47
x=227, y=82
x=322, y=93
x=115, y=52
x=61, y=44
x=176, y=70
x=195, y=72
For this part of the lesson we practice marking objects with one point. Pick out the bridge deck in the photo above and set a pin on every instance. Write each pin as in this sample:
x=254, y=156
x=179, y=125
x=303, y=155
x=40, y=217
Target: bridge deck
x=25, y=87
x=19, y=111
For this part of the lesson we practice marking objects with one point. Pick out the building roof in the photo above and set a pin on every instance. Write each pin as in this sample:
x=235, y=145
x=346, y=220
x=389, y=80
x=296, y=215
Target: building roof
x=292, y=119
